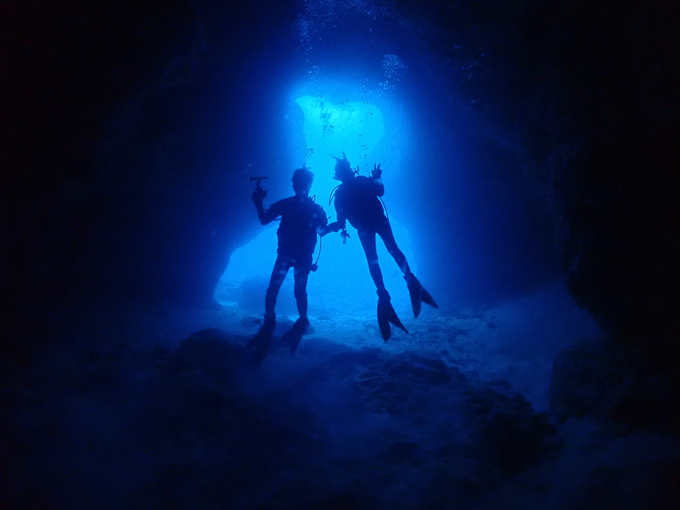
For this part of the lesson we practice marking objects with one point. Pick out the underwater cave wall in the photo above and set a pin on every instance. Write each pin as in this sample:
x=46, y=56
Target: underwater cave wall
x=586, y=96
x=113, y=184
x=614, y=179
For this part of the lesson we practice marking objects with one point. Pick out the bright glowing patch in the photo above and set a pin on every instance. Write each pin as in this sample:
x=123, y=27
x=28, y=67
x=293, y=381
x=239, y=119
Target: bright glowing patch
x=353, y=127
x=342, y=287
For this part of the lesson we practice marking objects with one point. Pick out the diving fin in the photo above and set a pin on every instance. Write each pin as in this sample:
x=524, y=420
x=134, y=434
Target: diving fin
x=262, y=340
x=418, y=295
x=383, y=322
x=293, y=336
x=415, y=290
x=386, y=314
x=427, y=299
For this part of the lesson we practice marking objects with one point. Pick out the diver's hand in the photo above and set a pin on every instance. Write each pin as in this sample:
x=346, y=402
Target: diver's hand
x=376, y=173
x=259, y=195
x=335, y=226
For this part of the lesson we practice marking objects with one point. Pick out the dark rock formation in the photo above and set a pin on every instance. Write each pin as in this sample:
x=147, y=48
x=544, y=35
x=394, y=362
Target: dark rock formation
x=617, y=197
x=602, y=381
x=504, y=430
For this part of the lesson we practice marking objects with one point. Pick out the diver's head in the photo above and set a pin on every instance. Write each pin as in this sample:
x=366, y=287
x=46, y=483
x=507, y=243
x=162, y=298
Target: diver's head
x=343, y=170
x=302, y=180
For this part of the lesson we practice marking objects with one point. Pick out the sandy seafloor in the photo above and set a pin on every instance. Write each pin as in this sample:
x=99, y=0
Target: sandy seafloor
x=164, y=409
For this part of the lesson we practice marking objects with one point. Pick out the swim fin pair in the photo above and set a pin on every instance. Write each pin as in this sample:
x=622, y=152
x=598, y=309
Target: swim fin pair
x=418, y=295
x=387, y=315
x=263, y=339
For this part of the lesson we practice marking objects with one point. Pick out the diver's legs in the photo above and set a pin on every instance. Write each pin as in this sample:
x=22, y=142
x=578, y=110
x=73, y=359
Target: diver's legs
x=301, y=275
x=416, y=291
x=385, y=232
x=368, y=243
x=279, y=273
x=386, y=313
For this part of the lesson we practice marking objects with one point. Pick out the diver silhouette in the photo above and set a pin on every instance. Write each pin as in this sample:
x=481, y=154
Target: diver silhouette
x=301, y=220
x=357, y=201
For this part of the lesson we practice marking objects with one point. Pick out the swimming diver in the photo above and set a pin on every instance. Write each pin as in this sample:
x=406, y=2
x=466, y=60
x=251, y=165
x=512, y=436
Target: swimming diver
x=357, y=201
x=301, y=220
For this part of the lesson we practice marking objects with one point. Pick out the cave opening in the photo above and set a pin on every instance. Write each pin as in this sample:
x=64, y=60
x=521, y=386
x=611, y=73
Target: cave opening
x=342, y=285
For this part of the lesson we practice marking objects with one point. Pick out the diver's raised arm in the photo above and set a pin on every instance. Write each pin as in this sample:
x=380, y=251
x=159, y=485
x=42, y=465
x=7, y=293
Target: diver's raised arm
x=376, y=174
x=265, y=216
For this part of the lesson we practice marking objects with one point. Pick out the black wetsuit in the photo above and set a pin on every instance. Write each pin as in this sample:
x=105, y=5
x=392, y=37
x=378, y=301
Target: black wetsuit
x=356, y=201
x=301, y=221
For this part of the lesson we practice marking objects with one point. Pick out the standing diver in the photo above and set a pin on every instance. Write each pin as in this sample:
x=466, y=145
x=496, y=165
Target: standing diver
x=301, y=220
x=356, y=201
